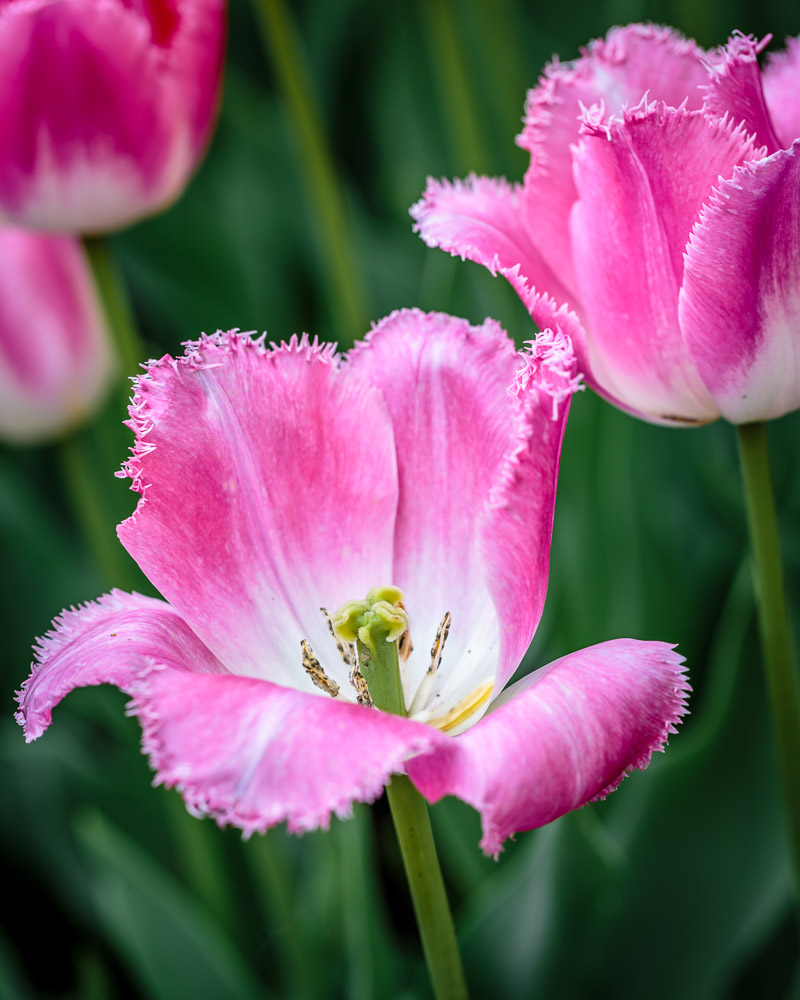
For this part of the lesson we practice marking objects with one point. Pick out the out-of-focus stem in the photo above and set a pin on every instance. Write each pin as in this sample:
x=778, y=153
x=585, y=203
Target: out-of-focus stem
x=94, y=519
x=365, y=930
x=268, y=864
x=198, y=850
x=413, y=827
x=450, y=68
x=782, y=681
x=315, y=160
x=115, y=304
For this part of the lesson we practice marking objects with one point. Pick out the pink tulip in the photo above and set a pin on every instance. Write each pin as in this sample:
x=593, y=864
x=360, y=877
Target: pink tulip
x=278, y=481
x=107, y=107
x=658, y=223
x=56, y=362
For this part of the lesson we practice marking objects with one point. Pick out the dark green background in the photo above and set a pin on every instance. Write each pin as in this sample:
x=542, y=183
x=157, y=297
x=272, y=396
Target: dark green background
x=676, y=886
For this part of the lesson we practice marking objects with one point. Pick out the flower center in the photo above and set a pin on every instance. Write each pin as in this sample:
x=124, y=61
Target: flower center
x=373, y=639
x=375, y=625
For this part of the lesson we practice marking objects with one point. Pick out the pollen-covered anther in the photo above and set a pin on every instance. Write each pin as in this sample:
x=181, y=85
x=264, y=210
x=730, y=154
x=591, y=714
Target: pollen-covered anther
x=405, y=646
x=426, y=684
x=360, y=685
x=346, y=650
x=312, y=667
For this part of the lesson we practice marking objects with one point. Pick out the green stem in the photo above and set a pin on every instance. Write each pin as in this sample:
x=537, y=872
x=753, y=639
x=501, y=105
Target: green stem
x=198, y=849
x=782, y=682
x=95, y=520
x=455, y=84
x=413, y=827
x=364, y=922
x=315, y=160
x=115, y=304
x=272, y=874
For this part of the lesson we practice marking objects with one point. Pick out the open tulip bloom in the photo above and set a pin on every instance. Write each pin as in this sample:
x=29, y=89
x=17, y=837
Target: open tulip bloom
x=657, y=223
x=659, y=226
x=107, y=107
x=279, y=481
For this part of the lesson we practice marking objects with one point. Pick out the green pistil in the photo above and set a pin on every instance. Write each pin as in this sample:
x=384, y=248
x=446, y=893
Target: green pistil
x=375, y=625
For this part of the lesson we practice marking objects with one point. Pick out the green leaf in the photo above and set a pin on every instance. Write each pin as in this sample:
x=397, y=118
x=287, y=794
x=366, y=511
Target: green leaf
x=169, y=945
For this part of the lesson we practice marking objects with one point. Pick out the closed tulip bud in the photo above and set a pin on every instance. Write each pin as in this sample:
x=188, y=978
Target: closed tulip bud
x=107, y=107
x=56, y=361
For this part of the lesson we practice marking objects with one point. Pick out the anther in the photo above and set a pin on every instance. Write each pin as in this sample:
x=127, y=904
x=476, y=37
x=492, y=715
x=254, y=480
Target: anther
x=360, y=685
x=426, y=684
x=347, y=651
x=312, y=667
x=404, y=644
x=438, y=643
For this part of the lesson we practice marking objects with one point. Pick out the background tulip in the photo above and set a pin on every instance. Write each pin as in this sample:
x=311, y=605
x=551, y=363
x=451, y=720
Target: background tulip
x=107, y=107
x=658, y=219
x=56, y=361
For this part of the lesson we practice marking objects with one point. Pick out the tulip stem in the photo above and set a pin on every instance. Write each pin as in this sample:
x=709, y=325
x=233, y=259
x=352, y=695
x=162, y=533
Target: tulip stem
x=782, y=681
x=413, y=827
x=455, y=78
x=329, y=223
x=116, y=304
x=95, y=520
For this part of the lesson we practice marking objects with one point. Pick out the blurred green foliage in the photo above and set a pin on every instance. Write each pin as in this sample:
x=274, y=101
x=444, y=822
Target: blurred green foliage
x=677, y=885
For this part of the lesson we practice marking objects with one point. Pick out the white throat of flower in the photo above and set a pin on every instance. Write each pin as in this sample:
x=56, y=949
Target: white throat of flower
x=374, y=641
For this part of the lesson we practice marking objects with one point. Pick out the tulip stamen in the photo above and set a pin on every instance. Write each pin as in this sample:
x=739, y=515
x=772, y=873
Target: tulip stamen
x=426, y=684
x=347, y=650
x=405, y=646
x=360, y=685
x=312, y=667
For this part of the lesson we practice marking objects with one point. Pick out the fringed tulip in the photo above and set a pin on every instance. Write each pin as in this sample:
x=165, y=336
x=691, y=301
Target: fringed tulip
x=657, y=223
x=56, y=361
x=279, y=482
x=107, y=107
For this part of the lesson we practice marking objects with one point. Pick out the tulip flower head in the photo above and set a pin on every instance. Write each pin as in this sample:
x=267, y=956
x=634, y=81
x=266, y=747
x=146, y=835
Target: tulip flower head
x=107, y=107
x=353, y=553
x=657, y=223
x=56, y=360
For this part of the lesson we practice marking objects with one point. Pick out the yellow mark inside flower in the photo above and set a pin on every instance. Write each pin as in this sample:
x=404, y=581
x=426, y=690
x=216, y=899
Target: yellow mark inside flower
x=467, y=707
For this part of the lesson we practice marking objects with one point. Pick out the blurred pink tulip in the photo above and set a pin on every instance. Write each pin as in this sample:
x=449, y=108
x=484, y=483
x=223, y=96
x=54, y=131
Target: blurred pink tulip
x=657, y=223
x=56, y=361
x=107, y=107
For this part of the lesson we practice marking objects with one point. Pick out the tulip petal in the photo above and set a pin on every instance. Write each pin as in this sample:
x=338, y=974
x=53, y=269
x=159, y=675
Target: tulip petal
x=642, y=181
x=478, y=429
x=740, y=304
x=517, y=530
x=735, y=88
x=108, y=641
x=482, y=219
x=268, y=489
x=614, y=72
x=781, y=83
x=561, y=737
x=445, y=385
x=253, y=754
